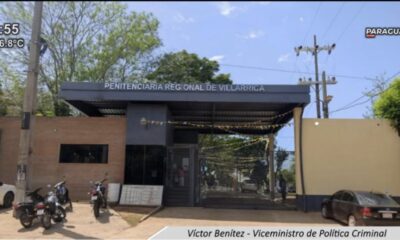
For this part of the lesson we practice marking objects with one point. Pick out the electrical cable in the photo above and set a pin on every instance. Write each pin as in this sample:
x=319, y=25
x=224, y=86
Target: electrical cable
x=290, y=71
x=333, y=21
x=354, y=102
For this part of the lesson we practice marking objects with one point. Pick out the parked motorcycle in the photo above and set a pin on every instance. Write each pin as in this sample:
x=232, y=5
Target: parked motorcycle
x=53, y=205
x=98, y=197
x=62, y=194
x=26, y=212
x=43, y=208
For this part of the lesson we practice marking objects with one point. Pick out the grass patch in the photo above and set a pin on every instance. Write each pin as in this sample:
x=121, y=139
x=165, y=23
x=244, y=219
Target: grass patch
x=132, y=214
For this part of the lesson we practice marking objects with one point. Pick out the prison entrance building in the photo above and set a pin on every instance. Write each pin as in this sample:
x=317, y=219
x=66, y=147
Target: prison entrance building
x=148, y=134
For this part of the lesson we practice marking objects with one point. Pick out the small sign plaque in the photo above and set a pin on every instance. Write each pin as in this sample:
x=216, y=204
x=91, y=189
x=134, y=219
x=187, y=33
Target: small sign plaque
x=144, y=195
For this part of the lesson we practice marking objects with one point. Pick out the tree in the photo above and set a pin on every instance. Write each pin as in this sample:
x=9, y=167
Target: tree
x=379, y=85
x=87, y=41
x=290, y=175
x=281, y=156
x=184, y=67
x=388, y=104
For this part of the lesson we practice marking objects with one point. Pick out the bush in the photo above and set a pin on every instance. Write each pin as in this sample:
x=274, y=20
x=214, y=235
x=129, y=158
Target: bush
x=388, y=104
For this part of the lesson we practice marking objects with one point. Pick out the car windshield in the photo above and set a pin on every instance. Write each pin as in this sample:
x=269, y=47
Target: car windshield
x=376, y=199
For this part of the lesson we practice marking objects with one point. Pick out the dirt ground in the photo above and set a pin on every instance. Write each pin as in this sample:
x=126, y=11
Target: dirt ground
x=132, y=215
x=81, y=223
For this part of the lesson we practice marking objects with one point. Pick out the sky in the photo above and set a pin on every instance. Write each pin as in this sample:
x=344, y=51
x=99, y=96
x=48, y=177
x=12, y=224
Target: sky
x=264, y=34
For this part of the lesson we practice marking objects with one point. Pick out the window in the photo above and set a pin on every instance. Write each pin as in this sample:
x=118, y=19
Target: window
x=376, y=199
x=347, y=197
x=337, y=196
x=83, y=153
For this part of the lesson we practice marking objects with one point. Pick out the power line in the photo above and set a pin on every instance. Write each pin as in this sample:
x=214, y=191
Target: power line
x=312, y=23
x=331, y=24
x=347, y=26
x=354, y=102
x=309, y=29
x=351, y=22
x=289, y=71
x=307, y=32
x=332, y=21
x=350, y=106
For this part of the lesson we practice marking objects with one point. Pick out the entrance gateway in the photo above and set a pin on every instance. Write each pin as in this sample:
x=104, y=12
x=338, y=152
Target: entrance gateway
x=164, y=122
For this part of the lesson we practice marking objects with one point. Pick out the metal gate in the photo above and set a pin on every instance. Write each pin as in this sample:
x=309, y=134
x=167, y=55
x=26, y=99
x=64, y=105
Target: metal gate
x=180, y=176
x=240, y=179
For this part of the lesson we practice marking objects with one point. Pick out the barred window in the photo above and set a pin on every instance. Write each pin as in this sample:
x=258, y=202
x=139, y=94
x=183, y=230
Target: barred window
x=83, y=153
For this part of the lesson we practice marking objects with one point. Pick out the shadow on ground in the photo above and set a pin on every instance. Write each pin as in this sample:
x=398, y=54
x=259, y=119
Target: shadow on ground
x=60, y=228
x=5, y=210
x=104, y=216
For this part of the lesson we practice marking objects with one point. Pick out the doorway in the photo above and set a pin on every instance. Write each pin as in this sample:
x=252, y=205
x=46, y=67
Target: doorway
x=145, y=164
x=179, y=188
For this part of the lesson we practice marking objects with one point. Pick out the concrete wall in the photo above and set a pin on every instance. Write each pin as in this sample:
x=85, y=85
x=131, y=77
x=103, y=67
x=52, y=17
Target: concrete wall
x=358, y=154
x=48, y=134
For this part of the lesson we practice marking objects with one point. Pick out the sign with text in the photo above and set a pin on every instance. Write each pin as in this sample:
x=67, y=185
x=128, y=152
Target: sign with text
x=183, y=87
x=278, y=233
x=144, y=195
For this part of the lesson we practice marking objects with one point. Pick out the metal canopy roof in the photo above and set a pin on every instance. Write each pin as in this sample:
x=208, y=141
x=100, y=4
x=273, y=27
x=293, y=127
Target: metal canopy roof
x=201, y=107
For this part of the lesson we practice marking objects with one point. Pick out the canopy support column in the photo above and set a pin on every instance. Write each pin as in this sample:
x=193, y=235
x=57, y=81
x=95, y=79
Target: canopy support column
x=271, y=144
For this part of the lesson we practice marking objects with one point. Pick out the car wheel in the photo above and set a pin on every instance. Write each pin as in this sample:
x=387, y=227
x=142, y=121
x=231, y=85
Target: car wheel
x=351, y=221
x=324, y=211
x=8, y=200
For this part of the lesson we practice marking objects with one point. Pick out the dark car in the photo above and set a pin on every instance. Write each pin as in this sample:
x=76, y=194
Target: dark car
x=359, y=208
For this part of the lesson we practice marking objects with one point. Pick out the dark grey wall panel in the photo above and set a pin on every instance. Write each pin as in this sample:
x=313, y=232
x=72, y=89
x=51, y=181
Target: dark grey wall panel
x=152, y=134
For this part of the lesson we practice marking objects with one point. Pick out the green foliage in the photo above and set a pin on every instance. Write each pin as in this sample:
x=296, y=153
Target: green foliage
x=289, y=175
x=12, y=90
x=226, y=155
x=281, y=156
x=378, y=85
x=388, y=104
x=184, y=67
x=231, y=158
x=87, y=41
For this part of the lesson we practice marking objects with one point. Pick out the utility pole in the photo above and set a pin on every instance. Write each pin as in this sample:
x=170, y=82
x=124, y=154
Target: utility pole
x=314, y=51
x=326, y=98
x=29, y=105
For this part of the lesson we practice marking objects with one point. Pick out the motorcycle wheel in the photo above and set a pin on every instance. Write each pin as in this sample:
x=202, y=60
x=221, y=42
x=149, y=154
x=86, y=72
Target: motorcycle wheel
x=60, y=214
x=96, y=209
x=104, y=203
x=25, y=220
x=46, y=220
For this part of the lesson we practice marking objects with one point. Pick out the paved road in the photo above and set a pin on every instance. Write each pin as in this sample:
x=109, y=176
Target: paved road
x=222, y=217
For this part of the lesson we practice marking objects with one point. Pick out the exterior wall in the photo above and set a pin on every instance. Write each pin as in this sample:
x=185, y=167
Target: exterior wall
x=151, y=134
x=48, y=134
x=357, y=154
